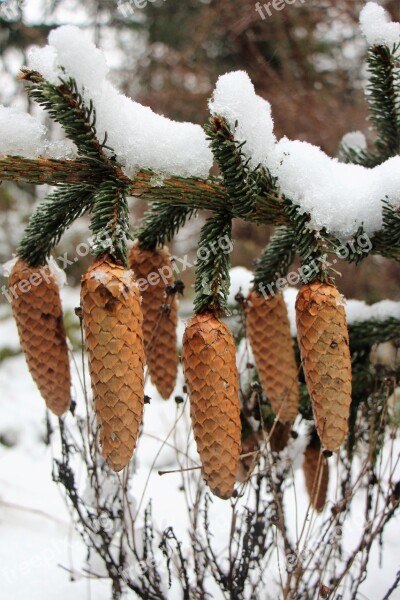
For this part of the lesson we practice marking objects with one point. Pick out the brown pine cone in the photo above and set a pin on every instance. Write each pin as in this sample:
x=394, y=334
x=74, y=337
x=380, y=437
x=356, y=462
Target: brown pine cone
x=268, y=330
x=160, y=315
x=325, y=354
x=112, y=321
x=37, y=310
x=317, y=479
x=209, y=363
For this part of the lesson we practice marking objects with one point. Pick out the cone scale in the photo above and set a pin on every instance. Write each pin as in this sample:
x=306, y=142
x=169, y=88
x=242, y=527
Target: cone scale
x=324, y=345
x=160, y=315
x=209, y=363
x=268, y=330
x=112, y=321
x=37, y=310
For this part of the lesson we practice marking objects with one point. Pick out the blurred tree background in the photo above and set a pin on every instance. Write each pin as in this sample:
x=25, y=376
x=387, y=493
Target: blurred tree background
x=306, y=59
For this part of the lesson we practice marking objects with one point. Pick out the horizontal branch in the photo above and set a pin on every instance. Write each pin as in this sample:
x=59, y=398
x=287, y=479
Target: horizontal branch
x=202, y=194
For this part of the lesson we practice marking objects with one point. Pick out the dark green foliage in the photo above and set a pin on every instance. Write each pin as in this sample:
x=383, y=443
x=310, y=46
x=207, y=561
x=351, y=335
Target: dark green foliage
x=311, y=246
x=213, y=264
x=51, y=219
x=65, y=105
x=388, y=239
x=363, y=335
x=359, y=157
x=276, y=258
x=384, y=98
x=231, y=161
x=110, y=221
x=161, y=223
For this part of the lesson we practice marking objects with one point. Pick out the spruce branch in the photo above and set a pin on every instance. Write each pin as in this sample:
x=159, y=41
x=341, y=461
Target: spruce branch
x=359, y=157
x=51, y=219
x=367, y=333
x=384, y=98
x=231, y=161
x=110, y=221
x=311, y=245
x=161, y=223
x=276, y=258
x=213, y=264
x=66, y=106
x=387, y=241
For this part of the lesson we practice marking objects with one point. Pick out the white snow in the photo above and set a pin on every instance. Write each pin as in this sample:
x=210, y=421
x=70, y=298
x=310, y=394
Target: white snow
x=248, y=115
x=20, y=133
x=44, y=61
x=358, y=311
x=59, y=274
x=355, y=140
x=241, y=281
x=340, y=197
x=140, y=138
x=290, y=295
x=8, y=266
x=77, y=54
x=377, y=27
x=23, y=135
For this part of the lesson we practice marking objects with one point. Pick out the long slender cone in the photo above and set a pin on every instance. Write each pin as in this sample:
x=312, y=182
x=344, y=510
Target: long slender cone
x=112, y=321
x=324, y=345
x=316, y=475
x=160, y=315
x=268, y=330
x=36, y=305
x=209, y=363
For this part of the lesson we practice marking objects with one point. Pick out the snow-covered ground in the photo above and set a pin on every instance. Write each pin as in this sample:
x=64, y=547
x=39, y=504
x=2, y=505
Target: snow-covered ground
x=41, y=556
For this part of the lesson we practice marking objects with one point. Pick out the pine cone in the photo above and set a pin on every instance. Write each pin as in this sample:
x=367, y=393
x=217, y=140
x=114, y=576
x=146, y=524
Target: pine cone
x=268, y=330
x=325, y=354
x=209, y=363
x=112, y=322
x=317, y=479
x=160, y=315
x=38, y=314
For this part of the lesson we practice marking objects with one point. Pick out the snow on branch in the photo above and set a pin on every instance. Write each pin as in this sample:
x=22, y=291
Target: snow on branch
x=377, y=27
x=140, y=138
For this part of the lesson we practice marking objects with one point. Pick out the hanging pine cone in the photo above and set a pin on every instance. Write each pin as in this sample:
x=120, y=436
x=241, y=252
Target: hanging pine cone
x=38, y=314
x=160, y=315
x=209, y=363
x=268, y=330
x=325, y=354
x=316, y=475
x=112, y=321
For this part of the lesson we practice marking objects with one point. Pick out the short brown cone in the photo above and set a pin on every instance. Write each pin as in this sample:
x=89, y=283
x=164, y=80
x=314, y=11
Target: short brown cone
x=209, y=363
x=37, y=310
x=112, y=321
x=316, y=475
x=268, y=330
x=324, y=344
x=160, y=315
